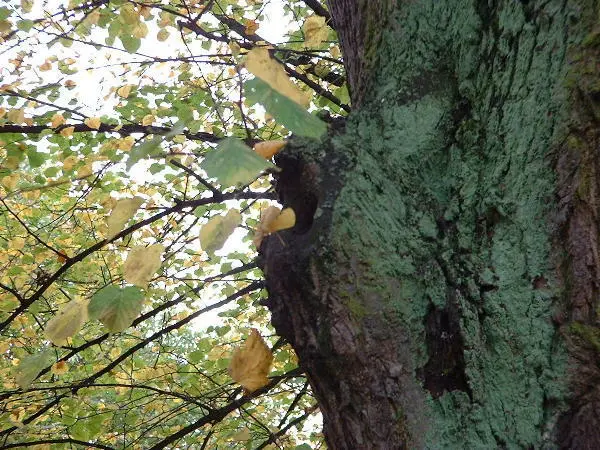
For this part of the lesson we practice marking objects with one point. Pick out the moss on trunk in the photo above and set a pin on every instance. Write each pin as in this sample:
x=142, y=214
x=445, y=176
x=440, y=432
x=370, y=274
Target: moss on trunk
x=423, y=290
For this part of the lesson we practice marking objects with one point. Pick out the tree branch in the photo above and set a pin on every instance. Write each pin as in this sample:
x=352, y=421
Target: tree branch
x=57, y=441
x=130, y=351
x=218, y=414
x=123, y=130
x=319, y=10
x=87, y=252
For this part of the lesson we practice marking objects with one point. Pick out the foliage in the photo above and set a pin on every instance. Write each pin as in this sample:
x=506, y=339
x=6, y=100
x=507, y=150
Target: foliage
x=125, y=135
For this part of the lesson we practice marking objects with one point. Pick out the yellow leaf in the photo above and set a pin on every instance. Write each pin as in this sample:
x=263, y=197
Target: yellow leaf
x=128, y=14
x=121, y=214
x=148, y=120
x=93, y=122
x=60, y=368
x=259, y=63
x=140, y=30
x=27, y=5
x=335, y=51
x=250, y=26
x=315, y=31
x=2, y=112
x=16, y=243
x=68, y=131
x=45, y=66
x=216, y=231
x=70, y=162
x=273, y=219
x=85, y=171
x=16, y=116
x=70, y=84
x=124, y=91
x=251, y=363
x=126, y=143
x=142, y=263
x=267, y=149
x=93, y=17
x=57, y=120
x=68, y=321
x=162, y=35
x=285, y=219
x=234, y=47
x=10, y=181
x=16, y=417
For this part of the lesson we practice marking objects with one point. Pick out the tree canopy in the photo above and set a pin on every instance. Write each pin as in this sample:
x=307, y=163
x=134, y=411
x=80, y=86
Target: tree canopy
x=136, y=144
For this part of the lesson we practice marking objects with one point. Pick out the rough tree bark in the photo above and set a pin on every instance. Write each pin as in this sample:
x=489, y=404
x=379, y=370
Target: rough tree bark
x=441, y=285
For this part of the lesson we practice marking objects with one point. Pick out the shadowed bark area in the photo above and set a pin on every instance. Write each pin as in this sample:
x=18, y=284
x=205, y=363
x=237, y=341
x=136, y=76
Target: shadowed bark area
x=433, y=275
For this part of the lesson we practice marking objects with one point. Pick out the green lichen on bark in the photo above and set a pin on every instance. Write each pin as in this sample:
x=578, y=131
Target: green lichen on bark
x=432, y=286
x=467, y=106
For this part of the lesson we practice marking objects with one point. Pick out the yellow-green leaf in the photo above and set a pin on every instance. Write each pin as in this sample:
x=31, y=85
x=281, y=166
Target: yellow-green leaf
x=67, y=322
x=142, y=263
x=123, y=211
x=216, y=231
x=30, y=366
x=259, y=63
x=315, y=31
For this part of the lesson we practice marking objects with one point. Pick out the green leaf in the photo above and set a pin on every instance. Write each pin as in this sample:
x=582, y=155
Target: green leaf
x=152, y=147
x=30, y=366
x=287, y=112
x=25, y=25
x=116, y=307
x=36, y=159
x=233, y=163
x=196, y=356
x=87, y=428
x=130, y=43
x=4, y=13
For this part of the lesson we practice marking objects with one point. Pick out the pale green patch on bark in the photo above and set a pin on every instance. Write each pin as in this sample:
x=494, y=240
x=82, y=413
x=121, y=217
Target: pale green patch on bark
x=450, y=199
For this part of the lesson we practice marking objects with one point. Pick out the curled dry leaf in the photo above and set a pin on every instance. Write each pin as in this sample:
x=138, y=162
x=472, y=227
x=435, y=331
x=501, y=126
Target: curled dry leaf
x=68, y=131
x=60, y=368
x=267, y=149
x=273, y=219
x=250, y=27
x=251, y=363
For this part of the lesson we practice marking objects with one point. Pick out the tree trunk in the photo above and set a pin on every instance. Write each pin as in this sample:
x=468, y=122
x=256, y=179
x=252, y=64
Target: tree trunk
x=441, y=285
